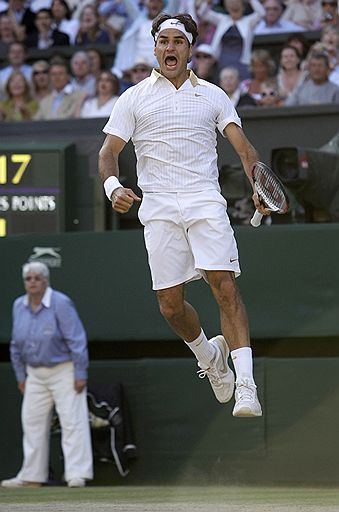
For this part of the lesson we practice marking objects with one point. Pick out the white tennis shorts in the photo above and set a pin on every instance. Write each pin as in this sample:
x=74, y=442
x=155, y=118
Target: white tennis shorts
x=187, y=234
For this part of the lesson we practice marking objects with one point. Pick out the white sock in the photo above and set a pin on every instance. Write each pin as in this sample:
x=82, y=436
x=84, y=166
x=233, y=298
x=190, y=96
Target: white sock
x=243, y=363
x=202, y=349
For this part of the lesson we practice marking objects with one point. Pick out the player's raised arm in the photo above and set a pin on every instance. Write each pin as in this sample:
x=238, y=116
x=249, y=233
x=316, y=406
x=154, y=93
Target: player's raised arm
x=122, y=198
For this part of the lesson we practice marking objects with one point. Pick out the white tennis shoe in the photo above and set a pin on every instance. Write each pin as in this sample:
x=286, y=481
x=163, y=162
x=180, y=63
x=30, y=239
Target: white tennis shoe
x=219, y=373
x=76, y=482
x=17, y=482
x=247, y=404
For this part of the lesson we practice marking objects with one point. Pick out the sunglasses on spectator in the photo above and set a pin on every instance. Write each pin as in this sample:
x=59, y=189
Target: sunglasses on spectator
x=40, y=72
x=268, y=93
x=325, y=2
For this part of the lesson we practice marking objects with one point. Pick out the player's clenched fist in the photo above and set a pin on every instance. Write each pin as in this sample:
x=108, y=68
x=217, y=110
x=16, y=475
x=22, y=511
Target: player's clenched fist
x=123, y=199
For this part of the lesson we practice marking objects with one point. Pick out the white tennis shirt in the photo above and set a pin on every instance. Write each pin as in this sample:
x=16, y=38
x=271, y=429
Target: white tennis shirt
x=173, y=131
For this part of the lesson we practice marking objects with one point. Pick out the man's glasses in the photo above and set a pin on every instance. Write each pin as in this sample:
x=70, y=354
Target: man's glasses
x=35, y=278
x=331, y=4
x=203, y=56
x=41, y=72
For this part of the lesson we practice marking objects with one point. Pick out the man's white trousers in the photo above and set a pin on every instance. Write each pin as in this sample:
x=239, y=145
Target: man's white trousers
x=44, y=388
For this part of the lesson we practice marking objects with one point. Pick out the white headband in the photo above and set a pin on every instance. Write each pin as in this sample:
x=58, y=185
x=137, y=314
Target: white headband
x=174, y=23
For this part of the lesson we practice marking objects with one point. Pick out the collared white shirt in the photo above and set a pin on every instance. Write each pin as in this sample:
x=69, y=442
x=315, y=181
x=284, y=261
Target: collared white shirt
x=58, y=95
x=173, y=131
x=46, y=299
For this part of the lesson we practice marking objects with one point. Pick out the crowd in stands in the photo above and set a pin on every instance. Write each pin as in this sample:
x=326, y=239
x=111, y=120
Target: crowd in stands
x=86, y=80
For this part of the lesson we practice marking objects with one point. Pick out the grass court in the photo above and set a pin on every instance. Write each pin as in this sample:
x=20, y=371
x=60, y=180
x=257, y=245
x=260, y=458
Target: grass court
x=171, y=499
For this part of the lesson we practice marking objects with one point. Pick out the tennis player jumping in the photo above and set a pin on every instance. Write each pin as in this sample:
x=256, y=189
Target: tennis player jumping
x=171, y=118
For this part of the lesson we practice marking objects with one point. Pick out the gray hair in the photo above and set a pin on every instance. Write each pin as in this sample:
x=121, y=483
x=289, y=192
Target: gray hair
x=37, y=267
x=82, y=54
x=235, y=72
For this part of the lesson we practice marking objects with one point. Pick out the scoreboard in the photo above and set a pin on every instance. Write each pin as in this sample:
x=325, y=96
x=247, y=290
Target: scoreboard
x=32, y=187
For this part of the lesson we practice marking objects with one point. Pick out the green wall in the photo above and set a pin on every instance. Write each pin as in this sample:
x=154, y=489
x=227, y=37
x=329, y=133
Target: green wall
x=184, y=435
x=290, y=282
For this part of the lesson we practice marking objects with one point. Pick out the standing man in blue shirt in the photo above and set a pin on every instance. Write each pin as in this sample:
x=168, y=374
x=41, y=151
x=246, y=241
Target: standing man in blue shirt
x=50, y=360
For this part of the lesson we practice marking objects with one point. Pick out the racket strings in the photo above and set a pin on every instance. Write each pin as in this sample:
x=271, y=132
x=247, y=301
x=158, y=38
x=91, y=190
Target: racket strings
x=269, y=190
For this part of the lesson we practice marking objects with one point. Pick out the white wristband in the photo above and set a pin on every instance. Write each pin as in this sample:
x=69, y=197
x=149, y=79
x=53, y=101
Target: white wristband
x=110, y=184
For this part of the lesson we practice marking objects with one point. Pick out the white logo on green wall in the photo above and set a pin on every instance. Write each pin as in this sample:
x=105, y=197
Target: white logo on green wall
x=48, y=255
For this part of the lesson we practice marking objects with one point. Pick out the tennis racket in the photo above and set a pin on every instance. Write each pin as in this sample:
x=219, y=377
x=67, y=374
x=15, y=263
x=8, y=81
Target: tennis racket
x=270, y=191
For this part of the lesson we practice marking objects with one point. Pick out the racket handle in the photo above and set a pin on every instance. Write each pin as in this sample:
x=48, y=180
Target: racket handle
x=256, y=219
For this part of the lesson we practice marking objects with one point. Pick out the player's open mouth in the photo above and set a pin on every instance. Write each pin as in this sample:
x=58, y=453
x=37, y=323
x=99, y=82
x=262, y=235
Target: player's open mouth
x=171, y=62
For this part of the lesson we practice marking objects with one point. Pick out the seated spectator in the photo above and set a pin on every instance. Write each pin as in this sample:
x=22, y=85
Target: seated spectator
x=204, y=62
x=141, y=70
x=289, y=76
x=229, y=81
x=46, y=36
x=316, y=89
x=40, y=79
x=22, y=16
x=262, y=68
x=7, y=34
x=62, y=19
x=96, y=61
x=330, y=40
x=299, y=41
x=269, y=94
x=90, y=31
x=137, y=39
x=63, y=102
x=19, y=104
x=234, y=33
x=306, y=13
x=329, y=45
x=107, y=93
x=16, y=57
x=82, y=79
x=272, y=22
x=329, y=14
